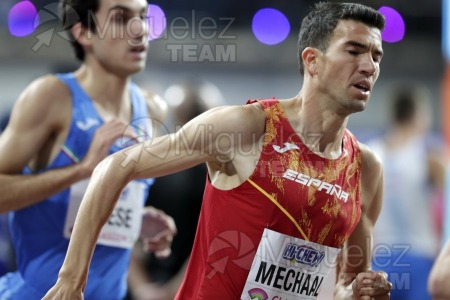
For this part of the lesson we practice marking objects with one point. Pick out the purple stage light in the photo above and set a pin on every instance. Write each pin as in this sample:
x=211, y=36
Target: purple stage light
x=270, y=26
x=394, y=30
x=21, y=19
x=157, y=21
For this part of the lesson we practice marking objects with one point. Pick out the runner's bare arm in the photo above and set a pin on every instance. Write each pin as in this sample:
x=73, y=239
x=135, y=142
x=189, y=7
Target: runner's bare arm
x=34, y=122
x=355, y=279
x=440, y=275
x=163, y=155
x=37, y=128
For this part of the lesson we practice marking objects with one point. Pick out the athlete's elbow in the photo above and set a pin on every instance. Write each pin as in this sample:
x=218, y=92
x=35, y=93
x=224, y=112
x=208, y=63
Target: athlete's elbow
x=112, y=170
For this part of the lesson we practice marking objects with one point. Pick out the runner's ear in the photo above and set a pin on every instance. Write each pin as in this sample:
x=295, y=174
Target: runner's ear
x=310, y=60
x=81, y=34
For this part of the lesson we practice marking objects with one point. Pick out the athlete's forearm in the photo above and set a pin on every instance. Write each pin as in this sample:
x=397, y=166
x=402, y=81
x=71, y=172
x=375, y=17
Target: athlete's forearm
x=19, y=191
x=105, y=186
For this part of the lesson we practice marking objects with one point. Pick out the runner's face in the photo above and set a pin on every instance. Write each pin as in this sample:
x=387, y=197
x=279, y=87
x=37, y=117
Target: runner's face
x=350, y=66
x=120, y=43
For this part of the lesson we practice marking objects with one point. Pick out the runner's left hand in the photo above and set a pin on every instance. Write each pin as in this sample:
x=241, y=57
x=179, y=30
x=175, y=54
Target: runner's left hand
x=371, y=285
x=157, y=231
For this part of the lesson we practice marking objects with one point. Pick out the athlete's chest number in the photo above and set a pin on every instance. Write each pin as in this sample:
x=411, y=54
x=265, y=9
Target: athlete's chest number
x=121, y=217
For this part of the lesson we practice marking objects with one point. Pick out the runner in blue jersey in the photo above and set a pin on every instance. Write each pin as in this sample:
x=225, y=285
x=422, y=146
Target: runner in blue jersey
x=61, y=127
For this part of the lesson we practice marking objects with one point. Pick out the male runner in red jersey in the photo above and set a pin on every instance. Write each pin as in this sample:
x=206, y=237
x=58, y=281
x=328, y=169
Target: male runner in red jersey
x=287, y=180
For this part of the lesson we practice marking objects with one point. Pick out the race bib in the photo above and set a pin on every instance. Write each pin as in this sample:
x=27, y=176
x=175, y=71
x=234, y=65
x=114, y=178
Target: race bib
x=288, y=268
x=123, y=226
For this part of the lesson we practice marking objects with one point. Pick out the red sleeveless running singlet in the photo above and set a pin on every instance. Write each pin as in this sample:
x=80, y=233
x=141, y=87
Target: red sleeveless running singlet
x=292, y=191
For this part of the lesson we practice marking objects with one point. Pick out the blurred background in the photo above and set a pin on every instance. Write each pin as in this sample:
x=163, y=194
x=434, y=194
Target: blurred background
x=246, y=48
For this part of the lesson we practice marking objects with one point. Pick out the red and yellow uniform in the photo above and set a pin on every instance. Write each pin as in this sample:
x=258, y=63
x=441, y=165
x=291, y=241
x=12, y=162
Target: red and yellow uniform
x=292, y=191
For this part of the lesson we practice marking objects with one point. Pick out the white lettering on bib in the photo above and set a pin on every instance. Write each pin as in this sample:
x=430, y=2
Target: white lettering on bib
x=123, y=226
x=288, y=268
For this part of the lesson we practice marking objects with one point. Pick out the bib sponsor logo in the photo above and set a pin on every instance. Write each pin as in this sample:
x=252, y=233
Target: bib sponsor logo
x=303, y=254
